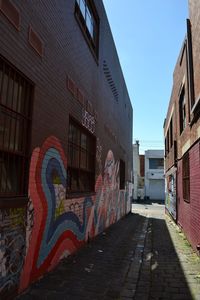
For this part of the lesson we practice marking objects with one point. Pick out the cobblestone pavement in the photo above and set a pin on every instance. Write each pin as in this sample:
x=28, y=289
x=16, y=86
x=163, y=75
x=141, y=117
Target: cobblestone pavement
x=142, y=257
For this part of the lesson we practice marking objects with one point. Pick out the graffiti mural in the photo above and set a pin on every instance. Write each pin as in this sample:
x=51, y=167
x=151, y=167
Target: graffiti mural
x=170, y=202
x=12, y=247
x=56, y=226
x=99, y=155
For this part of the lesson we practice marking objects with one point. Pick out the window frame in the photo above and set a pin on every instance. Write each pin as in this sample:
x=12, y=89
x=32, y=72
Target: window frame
x=16, y=120
x=93, y=42
x=90, y=153
x=186, y=177
x=171, y=132
x=182, y=111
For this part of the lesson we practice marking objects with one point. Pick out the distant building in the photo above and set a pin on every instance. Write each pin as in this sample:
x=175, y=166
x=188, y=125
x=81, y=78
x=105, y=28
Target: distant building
x=154, y=175
x=182, y=134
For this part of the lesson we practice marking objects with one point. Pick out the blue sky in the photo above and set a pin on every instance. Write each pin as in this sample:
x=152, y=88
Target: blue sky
x=148, y=35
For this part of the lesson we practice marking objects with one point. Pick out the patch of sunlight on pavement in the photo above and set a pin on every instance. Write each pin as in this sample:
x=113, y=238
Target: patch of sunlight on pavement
x=154, y=210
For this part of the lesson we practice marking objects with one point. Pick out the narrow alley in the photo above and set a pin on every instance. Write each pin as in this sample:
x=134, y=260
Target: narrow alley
x=143, y=256
x=100, y=150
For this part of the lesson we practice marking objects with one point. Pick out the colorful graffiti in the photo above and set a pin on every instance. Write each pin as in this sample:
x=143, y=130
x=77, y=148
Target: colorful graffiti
x=56, y=226
x=170, y=187
x=12, y=247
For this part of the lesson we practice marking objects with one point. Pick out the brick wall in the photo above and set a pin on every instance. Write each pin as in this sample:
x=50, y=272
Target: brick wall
x=43, y=40
x=195, y=22
x=187, y=140
x=189, y=213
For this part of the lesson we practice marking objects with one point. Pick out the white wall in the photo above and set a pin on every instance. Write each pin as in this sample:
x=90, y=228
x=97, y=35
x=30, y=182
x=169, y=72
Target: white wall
x=154, y=178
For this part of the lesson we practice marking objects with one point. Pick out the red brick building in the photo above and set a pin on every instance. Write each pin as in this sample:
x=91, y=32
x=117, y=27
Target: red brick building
x=65, y=159
x=182, y=134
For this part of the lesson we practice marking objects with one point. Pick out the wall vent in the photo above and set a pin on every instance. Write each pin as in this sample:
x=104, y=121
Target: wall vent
x=111, y=83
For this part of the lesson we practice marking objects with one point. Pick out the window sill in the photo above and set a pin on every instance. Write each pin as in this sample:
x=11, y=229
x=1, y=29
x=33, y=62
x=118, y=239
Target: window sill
x=186, y=200
x=13, y=202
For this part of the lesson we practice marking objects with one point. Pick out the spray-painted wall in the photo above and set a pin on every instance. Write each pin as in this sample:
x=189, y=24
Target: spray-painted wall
x=170, y=192
x=34, y=240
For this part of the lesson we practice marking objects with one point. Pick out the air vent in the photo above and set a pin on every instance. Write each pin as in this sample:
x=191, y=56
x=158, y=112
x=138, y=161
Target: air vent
x=111, y=83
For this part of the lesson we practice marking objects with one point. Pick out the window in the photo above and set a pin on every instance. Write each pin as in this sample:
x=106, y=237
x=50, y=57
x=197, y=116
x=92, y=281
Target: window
x=166, y=150
x=156, y=163
x=88, y=20
x=186, y=177
x=81, y=159
x=15, y=117
x=182, y=111
x=122, y=174
x=167, y=143
x=171, y=132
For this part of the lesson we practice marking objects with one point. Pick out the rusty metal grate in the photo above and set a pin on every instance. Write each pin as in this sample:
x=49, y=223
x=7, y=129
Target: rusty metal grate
x=15, y=117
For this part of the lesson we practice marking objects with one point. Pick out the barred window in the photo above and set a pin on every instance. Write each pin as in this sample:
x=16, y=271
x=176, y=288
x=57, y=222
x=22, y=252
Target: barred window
x=81, y=159
x=186, y=177
x=15, y=117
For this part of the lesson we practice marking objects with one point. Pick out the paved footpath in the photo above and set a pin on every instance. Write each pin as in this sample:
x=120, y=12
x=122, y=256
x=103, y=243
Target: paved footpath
x=142, y=257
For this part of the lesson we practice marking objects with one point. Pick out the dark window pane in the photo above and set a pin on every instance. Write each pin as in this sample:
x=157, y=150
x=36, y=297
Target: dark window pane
x=156, y=163
x=81, y=160
x=4, y=88
x=11, y=172
x=75, y=160
x=14, y=120
x=74, y=180
x=83, y=141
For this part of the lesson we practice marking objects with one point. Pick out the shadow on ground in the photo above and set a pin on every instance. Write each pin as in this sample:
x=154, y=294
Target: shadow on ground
x=100, y=269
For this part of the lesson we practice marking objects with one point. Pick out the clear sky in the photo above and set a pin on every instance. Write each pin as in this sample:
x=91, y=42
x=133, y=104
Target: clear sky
x=148, y=35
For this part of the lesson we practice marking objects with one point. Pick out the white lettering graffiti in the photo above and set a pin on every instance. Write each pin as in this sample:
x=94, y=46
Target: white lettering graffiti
x=88, y=121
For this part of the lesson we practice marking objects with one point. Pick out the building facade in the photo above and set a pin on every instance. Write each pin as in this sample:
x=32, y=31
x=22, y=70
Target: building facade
x=182, y=134
x=65, y=159
x=154, y=175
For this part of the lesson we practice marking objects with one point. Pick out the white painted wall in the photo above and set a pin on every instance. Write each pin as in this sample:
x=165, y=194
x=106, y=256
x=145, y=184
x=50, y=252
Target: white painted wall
x=154, y=178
